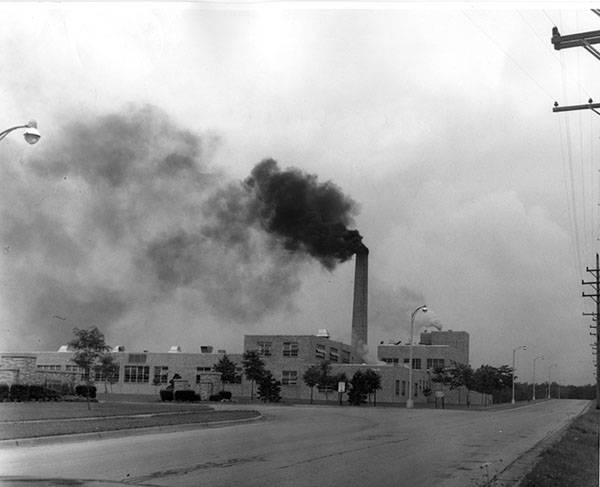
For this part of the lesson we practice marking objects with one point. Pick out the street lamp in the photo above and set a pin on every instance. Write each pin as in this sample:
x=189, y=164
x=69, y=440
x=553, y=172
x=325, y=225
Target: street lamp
x=549, y=369
x=522, y=347
x=537, y=358
x=31, y=135
x=409, y=402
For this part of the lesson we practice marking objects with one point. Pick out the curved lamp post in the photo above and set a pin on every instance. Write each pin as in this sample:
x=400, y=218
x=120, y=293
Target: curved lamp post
x=410, y=402
x=522, y=347
x=537, y=358
x=32, y=134
x=549, y=369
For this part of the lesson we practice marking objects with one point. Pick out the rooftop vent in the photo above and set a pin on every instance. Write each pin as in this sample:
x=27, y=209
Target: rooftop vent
x=323, y=333
x=206, y=349
x=64, y=348
x=118, y=348
x=175, y=349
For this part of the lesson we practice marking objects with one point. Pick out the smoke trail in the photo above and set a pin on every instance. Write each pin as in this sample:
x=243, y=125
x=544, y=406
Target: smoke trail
x=307, y=215
x=120, y=217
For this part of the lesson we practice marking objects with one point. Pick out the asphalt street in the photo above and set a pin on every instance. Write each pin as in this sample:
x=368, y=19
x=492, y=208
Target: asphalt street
x=311, y=445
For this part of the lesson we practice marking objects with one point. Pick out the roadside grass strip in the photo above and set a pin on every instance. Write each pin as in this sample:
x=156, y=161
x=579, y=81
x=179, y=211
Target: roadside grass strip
x=573, y=460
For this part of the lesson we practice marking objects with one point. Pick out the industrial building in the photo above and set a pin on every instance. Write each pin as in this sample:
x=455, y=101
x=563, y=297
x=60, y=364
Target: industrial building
x=287, y=357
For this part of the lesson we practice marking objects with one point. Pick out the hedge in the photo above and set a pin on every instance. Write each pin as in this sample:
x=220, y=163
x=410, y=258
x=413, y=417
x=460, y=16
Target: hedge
x=186, y=395
x=86, y=391
x=166, y=395
x=221, y=396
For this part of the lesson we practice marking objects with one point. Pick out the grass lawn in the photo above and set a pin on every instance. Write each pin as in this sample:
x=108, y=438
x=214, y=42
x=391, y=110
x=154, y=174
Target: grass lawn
x=573, y=461
x=30, y=420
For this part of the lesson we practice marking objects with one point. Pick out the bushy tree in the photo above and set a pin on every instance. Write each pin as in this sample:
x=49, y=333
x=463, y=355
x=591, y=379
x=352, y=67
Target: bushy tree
x=326, y=380
x=254, y=368
x=109, y=370
x=357, y=394
x=269, y=389
x=372, y=384
x=492, y=380
x=227, y=369
x=89, y=346
x=311, y=378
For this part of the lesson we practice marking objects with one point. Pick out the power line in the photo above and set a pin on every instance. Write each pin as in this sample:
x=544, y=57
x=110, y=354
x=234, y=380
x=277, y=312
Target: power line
x=515, y=62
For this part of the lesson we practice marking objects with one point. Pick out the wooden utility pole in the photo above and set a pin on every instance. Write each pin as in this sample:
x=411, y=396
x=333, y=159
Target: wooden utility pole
x=585, y=40
x=594, y=326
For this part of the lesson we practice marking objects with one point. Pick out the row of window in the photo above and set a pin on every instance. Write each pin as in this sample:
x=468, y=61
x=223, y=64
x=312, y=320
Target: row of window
x=418, y=386
x=432, y=363
x=290, y=349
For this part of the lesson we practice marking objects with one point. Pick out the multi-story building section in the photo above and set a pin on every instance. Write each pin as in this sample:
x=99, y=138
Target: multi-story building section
x=437, y=349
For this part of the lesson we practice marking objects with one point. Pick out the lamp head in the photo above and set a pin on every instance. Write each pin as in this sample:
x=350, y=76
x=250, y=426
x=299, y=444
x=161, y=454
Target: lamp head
x=32, y=134
x=424, y=309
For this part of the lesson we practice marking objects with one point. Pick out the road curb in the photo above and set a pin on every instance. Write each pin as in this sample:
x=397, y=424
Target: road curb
x=513, y=474
x=99, y=435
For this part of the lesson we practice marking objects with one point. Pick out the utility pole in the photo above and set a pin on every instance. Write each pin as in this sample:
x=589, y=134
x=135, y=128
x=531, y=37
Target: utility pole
x=596, y=297
x=585, y=40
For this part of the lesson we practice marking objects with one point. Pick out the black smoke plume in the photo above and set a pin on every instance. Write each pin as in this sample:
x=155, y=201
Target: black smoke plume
x=307, y=215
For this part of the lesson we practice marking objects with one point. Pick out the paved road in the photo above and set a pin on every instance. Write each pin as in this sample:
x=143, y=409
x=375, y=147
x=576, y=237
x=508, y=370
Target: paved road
x=308, y=446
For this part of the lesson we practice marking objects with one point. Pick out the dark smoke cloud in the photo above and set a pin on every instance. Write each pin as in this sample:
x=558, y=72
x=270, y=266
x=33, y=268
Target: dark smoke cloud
x=307, y=215
x=120, y=216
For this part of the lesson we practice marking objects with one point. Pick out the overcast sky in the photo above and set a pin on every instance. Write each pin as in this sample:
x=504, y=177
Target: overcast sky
x=472, y=196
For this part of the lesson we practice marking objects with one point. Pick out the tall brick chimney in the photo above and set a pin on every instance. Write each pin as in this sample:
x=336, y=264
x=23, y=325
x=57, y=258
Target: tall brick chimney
x=359, y=309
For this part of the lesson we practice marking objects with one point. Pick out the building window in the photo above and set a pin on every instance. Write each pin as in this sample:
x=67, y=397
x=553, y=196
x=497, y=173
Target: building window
x=416, y=363
x=320, y=351
x=416, y=386
x=137, y=358
x=333, y=354
x=137, y=373
x=200, y=371
x=290, y=349
x=289, y=377
x=435, y=363
x=75, y=369
x=345, y=357
x=393, y=361
x=397, y=390
x=160, y=375
x=264, y=348
x=404, y=388
x=99, y=375
x=48, y=367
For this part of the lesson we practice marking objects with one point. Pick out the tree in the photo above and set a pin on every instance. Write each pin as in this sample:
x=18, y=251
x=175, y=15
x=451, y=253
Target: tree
x=109, y=370
x=311, y=378
x=492, y=380
x=89, y=346
x=227, y=369
x=254, y=368
x=269, y=389
x=372, y=384
x=325, y=379
x=357, y=394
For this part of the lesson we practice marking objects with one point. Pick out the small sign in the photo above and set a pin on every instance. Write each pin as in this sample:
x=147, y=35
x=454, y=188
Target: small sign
x=341, y=387
x=439, y=394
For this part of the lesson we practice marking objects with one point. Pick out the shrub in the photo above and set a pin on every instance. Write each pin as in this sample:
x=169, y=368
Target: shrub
x=4, y=390
x=221, y=396
x=186, y=395
x=86, y=391
x=19, y=392
x=36, y=392
x=166, y=394
x=51, y=395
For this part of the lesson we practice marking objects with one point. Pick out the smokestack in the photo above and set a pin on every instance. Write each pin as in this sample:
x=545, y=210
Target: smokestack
x=359, y=310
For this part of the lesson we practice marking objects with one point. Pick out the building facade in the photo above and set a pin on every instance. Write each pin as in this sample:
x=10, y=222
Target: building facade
x=437, y=349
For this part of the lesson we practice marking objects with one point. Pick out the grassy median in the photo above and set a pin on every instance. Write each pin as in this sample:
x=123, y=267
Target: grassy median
x=573, y=460
x=31, y=420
